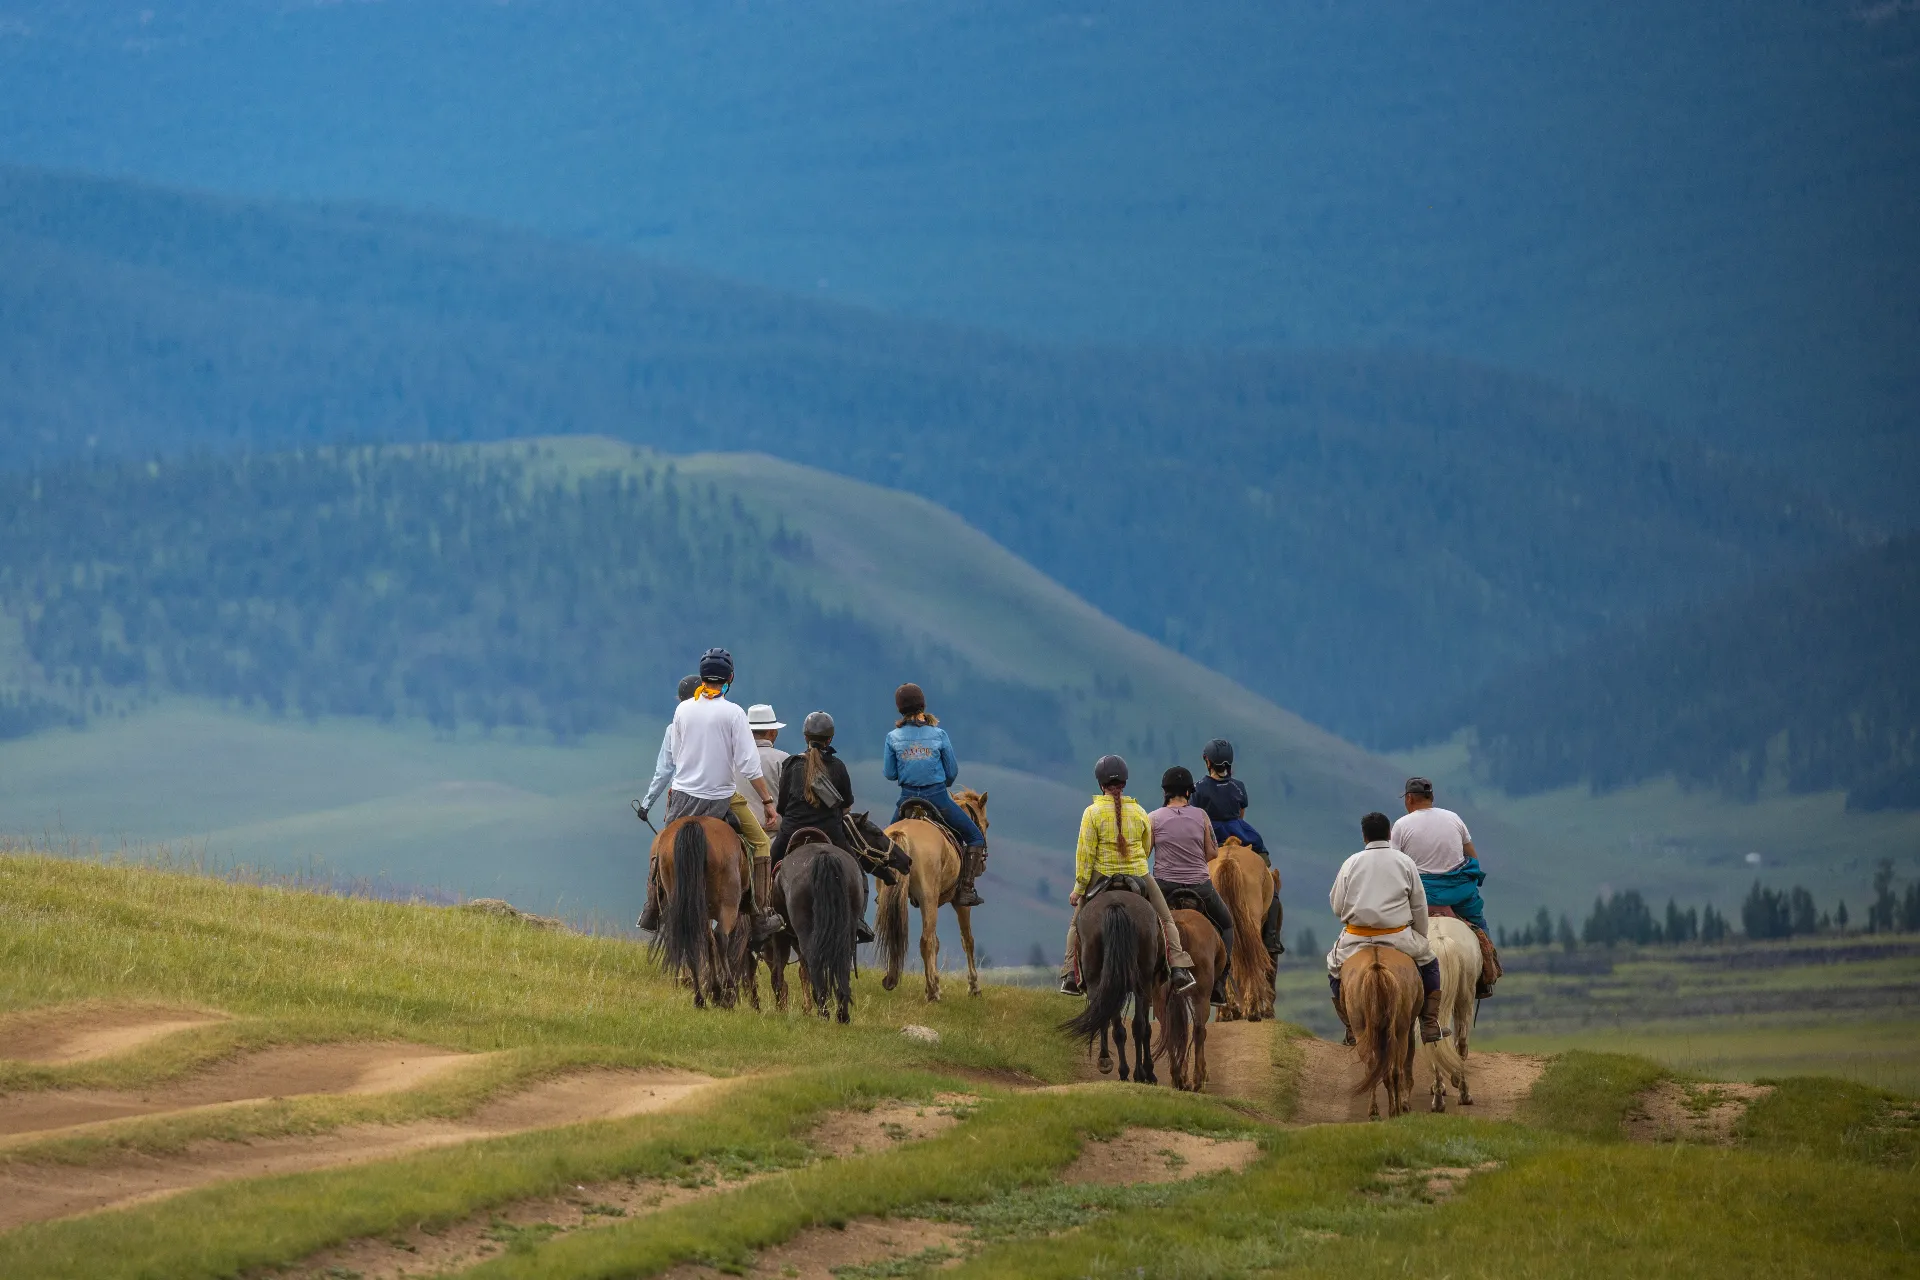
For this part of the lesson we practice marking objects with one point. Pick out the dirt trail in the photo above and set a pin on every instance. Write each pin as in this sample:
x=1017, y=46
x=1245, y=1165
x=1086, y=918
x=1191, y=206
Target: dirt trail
x=1700, y=1113
x=1328, y=1073
x=35, y=1193
x=61, y=1037
x=815, y=1254
x=1141, y=1156
x=271, y=1073
x=839, y=1134
x=1240, y=1061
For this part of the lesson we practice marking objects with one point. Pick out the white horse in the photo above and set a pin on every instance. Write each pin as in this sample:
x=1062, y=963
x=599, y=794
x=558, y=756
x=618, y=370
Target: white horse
x=1459, y=954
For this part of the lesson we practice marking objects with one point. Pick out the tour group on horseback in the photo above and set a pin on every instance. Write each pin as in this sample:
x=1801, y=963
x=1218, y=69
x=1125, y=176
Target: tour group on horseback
x=1176, y=913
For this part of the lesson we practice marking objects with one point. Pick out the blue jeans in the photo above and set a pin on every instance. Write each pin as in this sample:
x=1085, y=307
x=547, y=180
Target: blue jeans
x=1241, y=828
x=949, y=808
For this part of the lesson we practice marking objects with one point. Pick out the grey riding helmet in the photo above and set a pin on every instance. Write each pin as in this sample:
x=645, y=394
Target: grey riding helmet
x=1217, y=753
x=817, y=727
x=1110, y=771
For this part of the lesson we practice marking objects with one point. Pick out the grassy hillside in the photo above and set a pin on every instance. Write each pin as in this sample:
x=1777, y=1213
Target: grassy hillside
x=1302, y=521
x=1817, y=1174
x=1515, y=185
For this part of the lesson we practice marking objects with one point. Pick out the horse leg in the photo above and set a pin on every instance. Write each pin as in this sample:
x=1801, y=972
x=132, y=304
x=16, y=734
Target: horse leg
x=777, y=979
x=930, y=942
x=1197, y=1056
x=1460, y=1078
x=966, y=941
x=1106, y=1058
x=1143, y=1040
x=1120, y=1047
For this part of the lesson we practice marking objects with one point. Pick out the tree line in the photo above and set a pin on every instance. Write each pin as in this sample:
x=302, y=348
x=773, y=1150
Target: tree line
x=1625, y=917
x=471, y=592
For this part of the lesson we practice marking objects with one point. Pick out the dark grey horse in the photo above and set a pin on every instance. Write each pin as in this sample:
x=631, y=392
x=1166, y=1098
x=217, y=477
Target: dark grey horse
x=821, y=892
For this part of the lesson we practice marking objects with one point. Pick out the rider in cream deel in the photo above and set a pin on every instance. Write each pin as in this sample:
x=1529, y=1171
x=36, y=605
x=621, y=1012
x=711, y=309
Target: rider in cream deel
x=1380, y=902
x=920, y=758
x=707, y=746
x=1442, y=848
x=1115, y=838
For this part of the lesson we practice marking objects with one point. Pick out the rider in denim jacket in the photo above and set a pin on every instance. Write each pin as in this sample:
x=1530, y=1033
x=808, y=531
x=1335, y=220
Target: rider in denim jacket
x=920, y=758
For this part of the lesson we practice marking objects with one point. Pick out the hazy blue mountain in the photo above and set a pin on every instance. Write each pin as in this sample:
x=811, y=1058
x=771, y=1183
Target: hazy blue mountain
x=1357, y=536
x=1703, y=209
x=1806, y=682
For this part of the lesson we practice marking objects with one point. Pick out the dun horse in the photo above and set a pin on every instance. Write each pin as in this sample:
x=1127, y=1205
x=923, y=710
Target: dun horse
x=1247, y=886
x=820, y=891
x=930, y=885
x=1380, y=988
x=703, y=941
x=1203, y=943
x=1120, y=958
x=1458, y=951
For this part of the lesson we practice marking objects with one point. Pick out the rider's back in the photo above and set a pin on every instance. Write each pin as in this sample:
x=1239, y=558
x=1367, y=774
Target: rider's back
x=920, y=755
x=1223, y=799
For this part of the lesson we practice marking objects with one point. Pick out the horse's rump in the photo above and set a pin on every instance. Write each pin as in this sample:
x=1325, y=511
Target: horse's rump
x=1243, y=882
x=1114, y=958
x=1380, y=989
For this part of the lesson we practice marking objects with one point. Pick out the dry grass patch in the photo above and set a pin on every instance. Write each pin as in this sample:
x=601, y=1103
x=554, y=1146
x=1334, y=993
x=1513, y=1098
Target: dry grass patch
x=1706, y=1114
x=1140, y=1156
x=863, y=1247
x=875, y=1129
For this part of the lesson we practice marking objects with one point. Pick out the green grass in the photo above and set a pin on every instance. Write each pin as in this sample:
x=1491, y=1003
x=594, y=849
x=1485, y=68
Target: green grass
x=1589, y=1094
x=1835, y=1120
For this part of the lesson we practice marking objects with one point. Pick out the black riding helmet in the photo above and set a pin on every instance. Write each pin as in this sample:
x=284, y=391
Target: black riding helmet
x=1110, y=771
x=716, y=666
x=817, y=727
x=1176, y=782
x=1218, y=754
x=689, y=685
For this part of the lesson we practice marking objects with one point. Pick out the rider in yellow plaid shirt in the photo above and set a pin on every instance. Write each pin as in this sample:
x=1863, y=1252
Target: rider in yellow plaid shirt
x=1115, y=838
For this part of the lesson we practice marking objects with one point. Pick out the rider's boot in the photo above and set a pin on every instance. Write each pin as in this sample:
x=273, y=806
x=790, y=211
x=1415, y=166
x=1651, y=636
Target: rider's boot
x=1219, y=995
x=765, y=923
x=650, y=914
x=862, y=932
x=1070, y=984
x=971, y=859
x=1183, y=981
x=1430, y=1019
x=1333, y=981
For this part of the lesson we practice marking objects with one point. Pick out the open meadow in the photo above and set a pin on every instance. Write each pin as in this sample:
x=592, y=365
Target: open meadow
x=203, y=1078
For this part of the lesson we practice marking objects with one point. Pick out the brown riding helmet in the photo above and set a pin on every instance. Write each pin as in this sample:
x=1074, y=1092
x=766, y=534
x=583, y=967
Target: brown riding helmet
x=908, y=700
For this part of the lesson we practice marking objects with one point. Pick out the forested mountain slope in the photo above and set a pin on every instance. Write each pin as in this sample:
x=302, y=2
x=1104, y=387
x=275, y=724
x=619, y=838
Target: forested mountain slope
x=1356, y=536
x=1807, y=681
x=1694, y=207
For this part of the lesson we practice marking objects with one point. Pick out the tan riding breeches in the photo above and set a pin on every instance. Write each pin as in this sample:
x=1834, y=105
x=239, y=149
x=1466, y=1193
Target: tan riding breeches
x=1177, y=956
x=752, y=834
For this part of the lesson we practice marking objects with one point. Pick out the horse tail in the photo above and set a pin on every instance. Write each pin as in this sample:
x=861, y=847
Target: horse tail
x=890, y=928
x=1375, y=1005
x=685, y=935
x=1119, y=978
x=1176, y=1035
x=1252, y=966
x=1453, y=985
x=829, y=948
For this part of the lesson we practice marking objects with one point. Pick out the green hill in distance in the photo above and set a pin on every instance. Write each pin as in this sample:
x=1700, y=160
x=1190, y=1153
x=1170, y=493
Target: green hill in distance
x=1358, y=536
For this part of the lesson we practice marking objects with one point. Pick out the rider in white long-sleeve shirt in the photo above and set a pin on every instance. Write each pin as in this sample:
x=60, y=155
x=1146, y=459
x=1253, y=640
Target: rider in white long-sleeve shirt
x=1381, y=903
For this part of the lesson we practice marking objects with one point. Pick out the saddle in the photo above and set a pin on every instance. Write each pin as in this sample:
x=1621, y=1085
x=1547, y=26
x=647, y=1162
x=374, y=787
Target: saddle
x=1184, y=899
x=925, y=811
x=1121, y=881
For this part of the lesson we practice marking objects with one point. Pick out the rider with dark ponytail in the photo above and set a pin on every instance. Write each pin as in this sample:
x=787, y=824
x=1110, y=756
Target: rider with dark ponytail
x=1115, y=838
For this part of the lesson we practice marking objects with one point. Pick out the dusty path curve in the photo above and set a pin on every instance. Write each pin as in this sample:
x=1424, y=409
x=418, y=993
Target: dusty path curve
x=271, y=1073
x=36, y=1193
x=63, y=1036
x=1328, y=1073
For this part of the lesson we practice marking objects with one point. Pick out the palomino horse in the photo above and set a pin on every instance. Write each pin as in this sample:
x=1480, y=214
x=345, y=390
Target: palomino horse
x=1121, y=956
x=936, y=870
x=1380, y=988
x=1202, y=942
x=1458, y=951
x=704, y=934
x=820, y=892
x=1247, y=886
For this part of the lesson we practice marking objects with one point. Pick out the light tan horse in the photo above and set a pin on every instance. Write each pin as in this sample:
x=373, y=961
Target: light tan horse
x=1380, y=989
x=702, y=868
x=1458, y=950
x=936, y=870
x=1247, y=886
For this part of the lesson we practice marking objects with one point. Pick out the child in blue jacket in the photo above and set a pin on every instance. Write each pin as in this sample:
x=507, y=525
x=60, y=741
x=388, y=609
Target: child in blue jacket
x=920, y=758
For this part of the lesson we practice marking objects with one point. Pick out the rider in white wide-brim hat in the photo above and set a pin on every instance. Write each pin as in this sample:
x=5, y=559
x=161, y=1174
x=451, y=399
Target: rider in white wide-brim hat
x=760, y=718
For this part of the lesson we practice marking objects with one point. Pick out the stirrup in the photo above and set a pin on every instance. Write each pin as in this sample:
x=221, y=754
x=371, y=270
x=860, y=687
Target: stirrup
x=765, y=925
x=862, y=932
x=1183, y=980
x=1071, y=986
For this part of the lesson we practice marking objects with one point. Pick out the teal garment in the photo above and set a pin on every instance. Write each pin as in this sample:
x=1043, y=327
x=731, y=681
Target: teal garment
x=1460, y=890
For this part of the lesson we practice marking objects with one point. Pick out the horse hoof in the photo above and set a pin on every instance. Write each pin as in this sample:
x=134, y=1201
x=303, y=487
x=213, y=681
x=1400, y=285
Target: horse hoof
x=1106, y=1066
x=888, y=984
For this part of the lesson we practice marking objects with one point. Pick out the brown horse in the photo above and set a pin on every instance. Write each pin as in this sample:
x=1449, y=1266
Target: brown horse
x=1247, y=886
x=1380, y=988
x=820, y=892
x=704, y=934
x=1121, y=958
x=929, y=886
x=1202, y=942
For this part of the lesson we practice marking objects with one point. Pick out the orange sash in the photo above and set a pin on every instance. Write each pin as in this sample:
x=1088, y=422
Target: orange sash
x=1368, y=931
